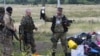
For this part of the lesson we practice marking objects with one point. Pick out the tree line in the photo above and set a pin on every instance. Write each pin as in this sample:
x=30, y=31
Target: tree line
x=51, y=1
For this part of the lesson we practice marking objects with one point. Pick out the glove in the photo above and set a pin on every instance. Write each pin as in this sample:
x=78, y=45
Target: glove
x=42, y=14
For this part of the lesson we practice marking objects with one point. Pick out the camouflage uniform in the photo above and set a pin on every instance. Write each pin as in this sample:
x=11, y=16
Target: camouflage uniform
x=28, y=26
x=7, y=39
x=59, y=30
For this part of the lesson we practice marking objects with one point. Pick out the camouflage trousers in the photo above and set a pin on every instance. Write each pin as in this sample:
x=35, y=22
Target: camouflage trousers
x=56, y=37
x=7, y=46
x=29, y=41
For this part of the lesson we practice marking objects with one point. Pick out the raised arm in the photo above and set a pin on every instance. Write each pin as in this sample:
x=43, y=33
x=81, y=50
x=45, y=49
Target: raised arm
x=48, y=19
x=33, y=25
x=44, y=16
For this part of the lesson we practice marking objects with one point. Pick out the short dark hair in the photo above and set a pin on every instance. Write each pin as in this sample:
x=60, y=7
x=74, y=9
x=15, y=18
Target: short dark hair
x=2, y=10
x=59, y=8
x=9, y=9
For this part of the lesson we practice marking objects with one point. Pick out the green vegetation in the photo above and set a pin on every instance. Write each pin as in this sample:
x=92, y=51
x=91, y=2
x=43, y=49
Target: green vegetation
x=86, y=20
x=52, y=1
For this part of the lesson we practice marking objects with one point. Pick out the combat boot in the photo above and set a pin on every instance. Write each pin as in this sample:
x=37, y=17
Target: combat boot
x=53, y=53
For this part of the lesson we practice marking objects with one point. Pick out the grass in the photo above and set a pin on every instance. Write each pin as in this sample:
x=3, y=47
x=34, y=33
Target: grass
x=76, y=11
x=44, y=35
x=86, y=20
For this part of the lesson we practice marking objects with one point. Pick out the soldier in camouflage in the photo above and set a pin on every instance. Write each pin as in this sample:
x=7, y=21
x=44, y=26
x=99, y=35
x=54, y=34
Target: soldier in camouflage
x=27, y=27
x=8, y=28
x=2, y=11
x=59, y=28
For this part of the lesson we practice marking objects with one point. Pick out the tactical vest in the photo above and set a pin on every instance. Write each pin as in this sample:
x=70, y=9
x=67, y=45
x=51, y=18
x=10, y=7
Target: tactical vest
x=28, y=24
x=64, y=20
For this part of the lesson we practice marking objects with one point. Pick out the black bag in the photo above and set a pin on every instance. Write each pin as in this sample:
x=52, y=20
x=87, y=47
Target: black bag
x=77, y=40
x=42, y=14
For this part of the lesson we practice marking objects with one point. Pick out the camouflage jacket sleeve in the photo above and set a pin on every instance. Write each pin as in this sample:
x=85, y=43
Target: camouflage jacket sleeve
x=8, y=22
x=21, y=31
x=22, y=22
x=34, y=27
x=48, y=19
x=21, y=26
x=32, y=23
